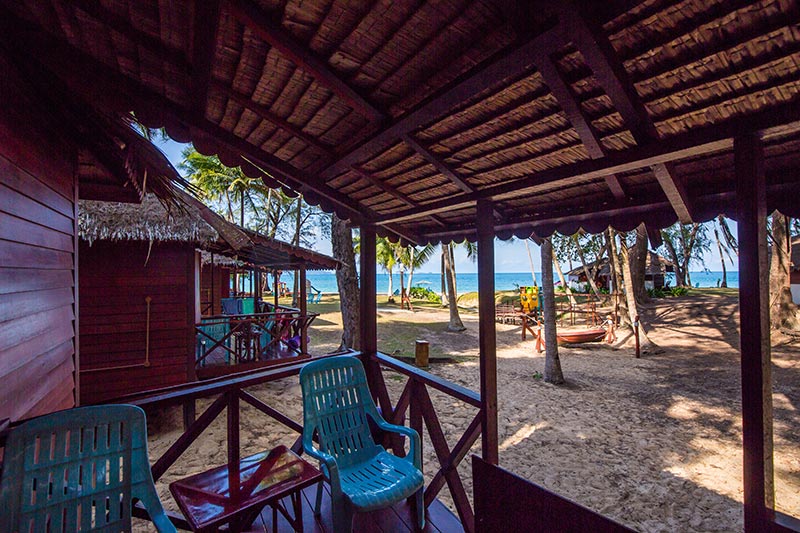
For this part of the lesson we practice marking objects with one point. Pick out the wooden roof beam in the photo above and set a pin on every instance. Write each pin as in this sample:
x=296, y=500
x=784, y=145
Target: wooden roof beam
x=675, y=190
x=111, y=90
x=511, y=64
x=562, y=92
x=779, y=120
x=443, y=167
x=273, y=33
x=391, y=191
x=266, y=114
x=206, y=23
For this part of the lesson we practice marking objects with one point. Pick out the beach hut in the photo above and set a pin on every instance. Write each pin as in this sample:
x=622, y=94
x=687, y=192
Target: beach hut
x=656, y=268
x=421, y=121
x=142, y=284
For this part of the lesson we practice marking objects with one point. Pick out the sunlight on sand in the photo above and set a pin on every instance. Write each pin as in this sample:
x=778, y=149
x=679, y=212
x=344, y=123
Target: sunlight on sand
x=522, y=433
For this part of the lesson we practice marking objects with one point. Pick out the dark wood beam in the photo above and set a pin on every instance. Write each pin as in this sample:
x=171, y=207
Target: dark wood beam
x=566, y=99
x=654, y=236
x=511, y=64
x=783, y=119
x=388, y=189
x=266, y=114
x=442, y=167
x=675, y=190
x=368, y=325
x=123, y=26
x=754, y=334
x=273, y=33
x=206, y=23
x=487, y=334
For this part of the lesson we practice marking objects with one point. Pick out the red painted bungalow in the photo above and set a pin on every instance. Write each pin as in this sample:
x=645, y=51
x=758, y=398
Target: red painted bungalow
x=142, y=277
x=426, y=121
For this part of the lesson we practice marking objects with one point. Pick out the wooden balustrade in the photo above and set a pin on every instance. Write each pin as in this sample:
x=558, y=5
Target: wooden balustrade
x=416, y=401
x=250, y=338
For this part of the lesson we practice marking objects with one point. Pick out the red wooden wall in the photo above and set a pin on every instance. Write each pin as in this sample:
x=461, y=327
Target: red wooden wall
x=115, y=279
x=220, y=285
x=37, y=260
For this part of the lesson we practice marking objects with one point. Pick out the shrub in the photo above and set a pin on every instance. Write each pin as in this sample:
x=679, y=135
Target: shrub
x=679, y=291
x=657, y=292
x=424, y=293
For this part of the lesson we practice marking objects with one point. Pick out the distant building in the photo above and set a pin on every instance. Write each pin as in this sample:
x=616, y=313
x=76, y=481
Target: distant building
x=794, y=272
x=655, y=272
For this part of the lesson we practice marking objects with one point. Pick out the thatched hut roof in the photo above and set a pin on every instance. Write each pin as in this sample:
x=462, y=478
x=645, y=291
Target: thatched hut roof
x=406, y=114
x=189, y=220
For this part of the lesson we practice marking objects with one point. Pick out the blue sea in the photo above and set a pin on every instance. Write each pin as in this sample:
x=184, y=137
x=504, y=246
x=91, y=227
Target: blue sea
x=325, y=281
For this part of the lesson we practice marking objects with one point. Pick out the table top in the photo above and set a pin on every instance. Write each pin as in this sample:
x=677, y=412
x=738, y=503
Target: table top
x=206, y=499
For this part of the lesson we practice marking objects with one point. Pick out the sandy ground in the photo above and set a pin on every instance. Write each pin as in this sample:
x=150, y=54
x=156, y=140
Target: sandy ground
x=654, y=443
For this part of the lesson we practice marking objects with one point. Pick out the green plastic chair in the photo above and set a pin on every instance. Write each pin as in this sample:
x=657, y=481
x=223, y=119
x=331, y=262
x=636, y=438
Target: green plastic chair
x=79, y=469
x=363, y=476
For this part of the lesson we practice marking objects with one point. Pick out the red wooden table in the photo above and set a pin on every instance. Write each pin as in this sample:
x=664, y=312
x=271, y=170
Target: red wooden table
x=207, y=500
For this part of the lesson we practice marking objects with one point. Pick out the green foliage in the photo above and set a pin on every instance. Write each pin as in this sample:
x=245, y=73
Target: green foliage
x=424, y=293
x=657, y=292
x=679, y=291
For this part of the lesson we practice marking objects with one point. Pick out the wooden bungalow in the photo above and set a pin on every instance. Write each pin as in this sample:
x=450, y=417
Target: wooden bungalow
x=425, y=121
x=656, y=268
x=141, y=286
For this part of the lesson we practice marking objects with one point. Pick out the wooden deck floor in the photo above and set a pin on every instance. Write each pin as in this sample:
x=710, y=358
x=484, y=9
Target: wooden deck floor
x=395, y=519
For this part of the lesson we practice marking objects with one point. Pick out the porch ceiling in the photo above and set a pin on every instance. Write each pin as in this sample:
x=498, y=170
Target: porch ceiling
x=404, y=114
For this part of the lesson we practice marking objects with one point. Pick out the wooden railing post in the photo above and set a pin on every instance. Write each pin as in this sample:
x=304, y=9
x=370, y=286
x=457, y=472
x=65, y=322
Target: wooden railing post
x=233, y=441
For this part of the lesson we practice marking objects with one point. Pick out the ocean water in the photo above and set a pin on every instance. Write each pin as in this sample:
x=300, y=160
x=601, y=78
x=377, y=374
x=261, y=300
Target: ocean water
x=325, y=281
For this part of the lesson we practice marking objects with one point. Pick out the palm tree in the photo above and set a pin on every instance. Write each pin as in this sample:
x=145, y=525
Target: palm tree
x=387, y=259
x=455, y=323
x=552, y=363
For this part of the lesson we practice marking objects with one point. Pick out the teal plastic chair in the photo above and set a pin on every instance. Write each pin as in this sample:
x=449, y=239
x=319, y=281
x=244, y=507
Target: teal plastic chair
x=79, y=469
x=213, y=330
x=363, y=476
x=248, y=306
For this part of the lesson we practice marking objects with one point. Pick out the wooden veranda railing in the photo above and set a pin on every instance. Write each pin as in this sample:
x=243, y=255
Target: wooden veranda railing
x=247, y=338
x=416, y=401
x=230, y=391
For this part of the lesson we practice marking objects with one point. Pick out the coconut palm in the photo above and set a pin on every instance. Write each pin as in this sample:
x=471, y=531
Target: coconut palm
x=385, y=250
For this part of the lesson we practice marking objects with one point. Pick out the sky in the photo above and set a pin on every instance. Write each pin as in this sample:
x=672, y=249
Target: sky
x=509, y=256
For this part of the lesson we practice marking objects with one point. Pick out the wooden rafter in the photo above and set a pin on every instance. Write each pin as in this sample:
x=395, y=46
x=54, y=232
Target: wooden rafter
x=115, y=91
x=391, y=191
x=266, y=114
x=442, y=167
x=675, y=191
x=577, y=118
x=599, y=55
x=781, y=119
x=273, y=33
x=206, y=23
x=104, y=16
x=511, y=64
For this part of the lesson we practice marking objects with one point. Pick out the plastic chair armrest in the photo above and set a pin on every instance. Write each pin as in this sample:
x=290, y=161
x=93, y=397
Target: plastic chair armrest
x=327, y=460
x=415, y=449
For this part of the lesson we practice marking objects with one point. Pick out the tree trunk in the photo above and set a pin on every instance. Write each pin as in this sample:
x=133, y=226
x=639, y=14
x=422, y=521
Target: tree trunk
x=347, y=280
x=390, y=290
x=589, y=278
x=782, y=310
x=443, y=297
x=621, y=311
x=552, y=364
x=630, y=298
x=639, y=265
x=721, y=259
x=680, y=275
x=455, y=323
x=564, y=283
x=410, y=271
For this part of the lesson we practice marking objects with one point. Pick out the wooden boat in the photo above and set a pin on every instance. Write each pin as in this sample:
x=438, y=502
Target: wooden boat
x=577, y=336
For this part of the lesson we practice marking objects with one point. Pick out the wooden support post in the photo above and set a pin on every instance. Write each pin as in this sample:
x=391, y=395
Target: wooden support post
x=368, y=310
x=303, y=308
x=487, y=335
x=233, y=441
x=759, y=489
x=421, y=353
x=275, y=288
x=189, y=413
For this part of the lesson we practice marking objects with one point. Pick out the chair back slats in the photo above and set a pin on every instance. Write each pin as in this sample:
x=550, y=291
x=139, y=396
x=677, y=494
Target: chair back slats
x=336, y=400
x=76, y=470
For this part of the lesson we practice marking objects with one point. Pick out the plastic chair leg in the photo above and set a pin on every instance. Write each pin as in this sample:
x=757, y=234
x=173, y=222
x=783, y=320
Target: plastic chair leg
x=318, y=503
x=419, y=504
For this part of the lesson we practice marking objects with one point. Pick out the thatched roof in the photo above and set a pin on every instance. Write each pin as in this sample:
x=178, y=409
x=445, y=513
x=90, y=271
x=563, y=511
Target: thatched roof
x=406, y=114
x=189, y=220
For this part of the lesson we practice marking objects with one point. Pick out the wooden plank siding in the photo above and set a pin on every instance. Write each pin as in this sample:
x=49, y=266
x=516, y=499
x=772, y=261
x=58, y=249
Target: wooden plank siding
x=214, y=281
x=37, y=257
x=116, y=278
